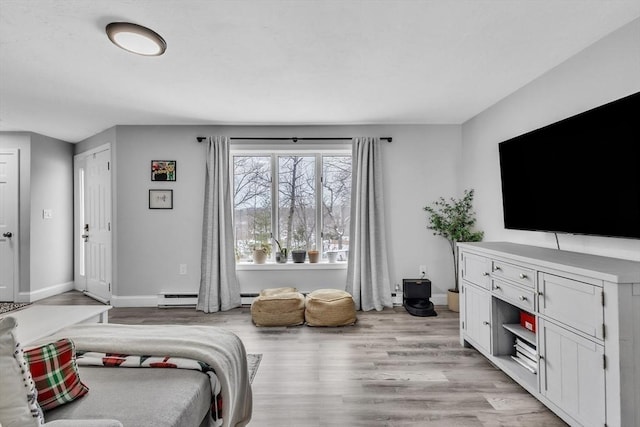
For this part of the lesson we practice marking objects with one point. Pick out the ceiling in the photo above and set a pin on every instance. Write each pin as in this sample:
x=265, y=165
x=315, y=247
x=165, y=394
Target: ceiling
x=282, y=62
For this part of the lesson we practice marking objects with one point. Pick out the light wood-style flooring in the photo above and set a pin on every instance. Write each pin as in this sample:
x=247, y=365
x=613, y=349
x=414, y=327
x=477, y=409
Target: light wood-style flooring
x=390, y=369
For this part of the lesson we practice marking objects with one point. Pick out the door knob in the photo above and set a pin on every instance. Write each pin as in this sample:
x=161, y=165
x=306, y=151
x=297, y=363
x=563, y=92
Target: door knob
x=8, y=234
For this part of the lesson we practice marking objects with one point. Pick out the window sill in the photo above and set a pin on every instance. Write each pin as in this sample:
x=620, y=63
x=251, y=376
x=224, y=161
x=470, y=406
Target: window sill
x=342, y=265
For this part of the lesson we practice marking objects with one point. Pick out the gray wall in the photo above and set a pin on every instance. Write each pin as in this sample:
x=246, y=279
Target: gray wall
x=605, y=71
x=419, y=166
x=51, y=188
x=46, y=181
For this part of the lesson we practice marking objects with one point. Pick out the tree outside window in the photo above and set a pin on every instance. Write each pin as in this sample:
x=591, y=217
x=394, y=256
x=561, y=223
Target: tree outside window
x=336, y=204
x=252, y=203
x=313, y=197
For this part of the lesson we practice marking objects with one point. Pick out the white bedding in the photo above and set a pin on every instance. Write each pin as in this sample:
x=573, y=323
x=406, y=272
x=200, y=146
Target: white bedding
x=219, y=348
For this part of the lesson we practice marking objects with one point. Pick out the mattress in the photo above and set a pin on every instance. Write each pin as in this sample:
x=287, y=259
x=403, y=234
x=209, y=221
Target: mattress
x=140, y=397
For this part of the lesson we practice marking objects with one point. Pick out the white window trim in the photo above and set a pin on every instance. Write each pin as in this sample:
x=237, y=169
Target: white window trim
x=269, y=149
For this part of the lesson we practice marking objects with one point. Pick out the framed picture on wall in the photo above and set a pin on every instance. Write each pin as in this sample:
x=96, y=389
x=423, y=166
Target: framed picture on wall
x=163, y=170
x=160, y=199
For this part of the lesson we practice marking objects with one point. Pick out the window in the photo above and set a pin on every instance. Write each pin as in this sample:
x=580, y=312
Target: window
x=306, y=206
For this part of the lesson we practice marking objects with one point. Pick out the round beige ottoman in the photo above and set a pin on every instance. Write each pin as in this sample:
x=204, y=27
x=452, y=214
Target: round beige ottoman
x=278, y=307
x=330, y=307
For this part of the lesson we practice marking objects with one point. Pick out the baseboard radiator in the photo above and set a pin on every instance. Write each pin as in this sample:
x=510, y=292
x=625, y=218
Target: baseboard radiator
x=168, y=300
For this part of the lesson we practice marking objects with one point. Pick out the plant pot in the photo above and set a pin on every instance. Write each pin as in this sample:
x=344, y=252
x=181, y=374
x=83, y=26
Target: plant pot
x=259, y=256
x=298, y=256
x=281, y=257
x=332, y=256
x=453, y=300
x=314, y=256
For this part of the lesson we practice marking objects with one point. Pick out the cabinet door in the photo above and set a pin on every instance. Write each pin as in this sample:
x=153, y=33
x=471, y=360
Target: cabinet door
x=477, y=306
x=576, y=304
x=572, y=373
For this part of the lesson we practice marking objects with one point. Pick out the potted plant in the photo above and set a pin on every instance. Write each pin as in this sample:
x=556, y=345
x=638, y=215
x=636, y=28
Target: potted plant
x=453, y=219
x=298, y=255
x=282, y=254
x=332, y=256
x=314, y=256
x=261, y=251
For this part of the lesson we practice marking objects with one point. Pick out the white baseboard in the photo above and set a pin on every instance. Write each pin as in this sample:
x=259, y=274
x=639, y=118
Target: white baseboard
x=49, y=291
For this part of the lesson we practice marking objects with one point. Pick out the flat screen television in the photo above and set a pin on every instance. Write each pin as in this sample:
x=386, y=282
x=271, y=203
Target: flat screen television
x=580, y=175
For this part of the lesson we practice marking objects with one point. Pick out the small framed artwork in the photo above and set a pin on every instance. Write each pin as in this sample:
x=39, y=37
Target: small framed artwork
x=163, y=170
x=160, y=199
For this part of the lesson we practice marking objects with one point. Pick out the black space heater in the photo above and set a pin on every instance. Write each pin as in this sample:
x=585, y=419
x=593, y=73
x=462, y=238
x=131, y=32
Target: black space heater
x=415, y=297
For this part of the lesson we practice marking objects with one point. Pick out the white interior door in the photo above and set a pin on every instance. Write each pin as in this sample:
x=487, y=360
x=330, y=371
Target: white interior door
x=94, y=176
x=9, y=181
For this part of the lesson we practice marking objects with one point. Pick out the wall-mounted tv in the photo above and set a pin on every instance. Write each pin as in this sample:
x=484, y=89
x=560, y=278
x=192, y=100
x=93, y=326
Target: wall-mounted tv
x=580, y=175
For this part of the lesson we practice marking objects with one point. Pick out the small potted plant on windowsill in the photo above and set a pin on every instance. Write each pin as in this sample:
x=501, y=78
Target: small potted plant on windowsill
x=282, y=254
x=261, y=251
x=298, y=255
x=314, y=256
x=453, y=220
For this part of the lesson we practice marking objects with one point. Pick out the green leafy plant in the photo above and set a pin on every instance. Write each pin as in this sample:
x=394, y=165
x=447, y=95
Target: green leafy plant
x=283, y=251
x=262, y=246
x=453, y=219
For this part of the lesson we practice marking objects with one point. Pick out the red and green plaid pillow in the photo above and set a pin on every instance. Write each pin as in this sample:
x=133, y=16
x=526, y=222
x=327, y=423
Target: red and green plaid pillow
x=53, y=368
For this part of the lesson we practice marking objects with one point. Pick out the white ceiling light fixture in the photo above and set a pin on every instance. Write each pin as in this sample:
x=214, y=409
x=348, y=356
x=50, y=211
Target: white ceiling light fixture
x=136, y=38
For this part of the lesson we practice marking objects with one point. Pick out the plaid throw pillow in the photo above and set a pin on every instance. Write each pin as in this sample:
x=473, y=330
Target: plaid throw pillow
x=53, y=368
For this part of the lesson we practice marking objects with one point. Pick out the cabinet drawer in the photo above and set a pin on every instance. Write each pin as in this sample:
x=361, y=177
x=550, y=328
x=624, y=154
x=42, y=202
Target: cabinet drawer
x=476, y=269
x=521, y=297
x=518, y=274
x=573, y=303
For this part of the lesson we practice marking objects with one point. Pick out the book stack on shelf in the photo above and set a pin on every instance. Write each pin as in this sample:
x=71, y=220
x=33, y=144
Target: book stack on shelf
x=526, y=356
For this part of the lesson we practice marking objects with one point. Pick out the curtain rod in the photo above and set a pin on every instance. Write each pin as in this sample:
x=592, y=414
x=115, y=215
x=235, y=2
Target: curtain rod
x=295, y=138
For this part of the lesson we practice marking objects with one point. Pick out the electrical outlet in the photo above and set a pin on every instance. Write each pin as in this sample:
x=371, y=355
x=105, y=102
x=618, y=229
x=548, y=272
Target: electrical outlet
x=183, y=269
x=423, y=271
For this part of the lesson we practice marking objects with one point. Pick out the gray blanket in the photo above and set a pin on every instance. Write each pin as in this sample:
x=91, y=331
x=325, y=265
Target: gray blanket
x=219, y=348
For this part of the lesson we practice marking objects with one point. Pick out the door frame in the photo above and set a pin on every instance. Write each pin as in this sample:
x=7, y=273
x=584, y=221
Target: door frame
x=16, y=212
x=80, y=281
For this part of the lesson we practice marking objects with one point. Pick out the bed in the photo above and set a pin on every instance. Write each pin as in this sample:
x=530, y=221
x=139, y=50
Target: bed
x=160, y=397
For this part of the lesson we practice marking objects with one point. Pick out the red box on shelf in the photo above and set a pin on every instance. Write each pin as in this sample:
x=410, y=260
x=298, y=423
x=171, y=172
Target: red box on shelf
x=528, y=321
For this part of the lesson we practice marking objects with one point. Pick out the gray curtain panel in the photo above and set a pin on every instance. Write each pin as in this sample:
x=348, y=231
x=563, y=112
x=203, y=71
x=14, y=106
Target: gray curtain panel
x=219, y=287
x=368, y=269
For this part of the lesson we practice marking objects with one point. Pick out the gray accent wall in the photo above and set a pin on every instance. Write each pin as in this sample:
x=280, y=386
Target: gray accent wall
x=51, y=189
x=420, y=165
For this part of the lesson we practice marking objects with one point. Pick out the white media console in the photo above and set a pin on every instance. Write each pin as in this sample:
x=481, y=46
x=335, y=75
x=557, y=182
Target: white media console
x=583, y=360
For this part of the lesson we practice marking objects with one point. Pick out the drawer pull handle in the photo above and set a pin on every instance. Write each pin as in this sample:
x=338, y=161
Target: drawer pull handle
x=497, y=268
x=485, y=274
x=497, y=288
x=522, y=298
x=540, y=294
x=523, y=276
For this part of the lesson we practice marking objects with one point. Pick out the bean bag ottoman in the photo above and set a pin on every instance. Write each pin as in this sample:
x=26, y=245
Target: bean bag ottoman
x=330, y=307
x=278, y=307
